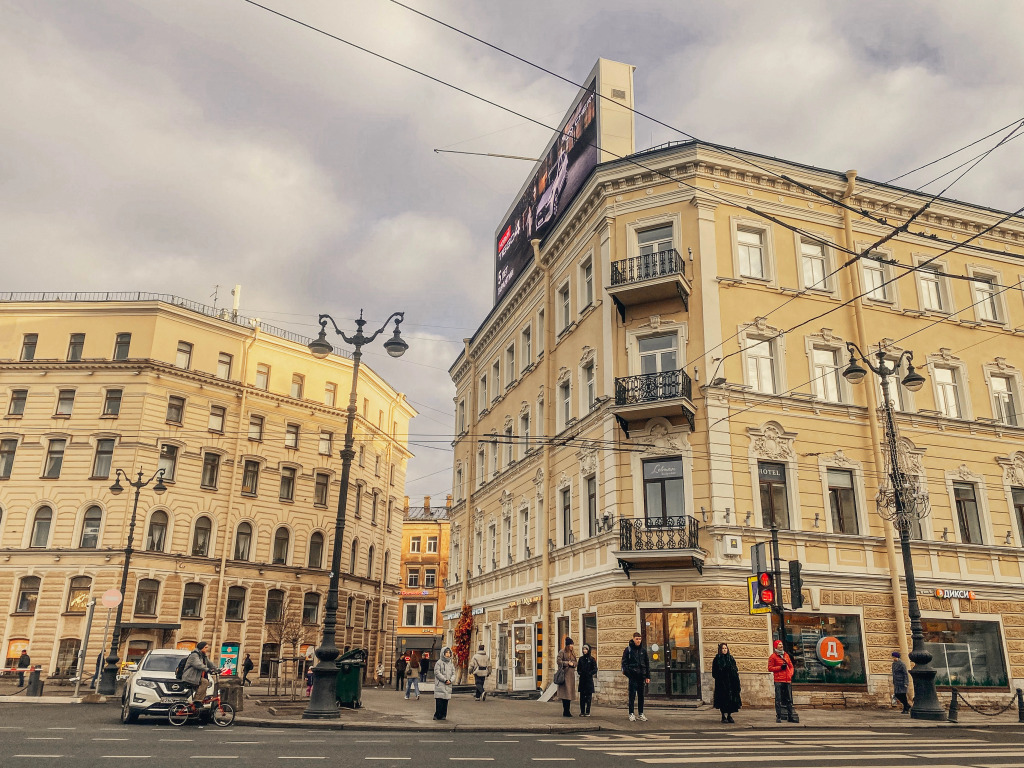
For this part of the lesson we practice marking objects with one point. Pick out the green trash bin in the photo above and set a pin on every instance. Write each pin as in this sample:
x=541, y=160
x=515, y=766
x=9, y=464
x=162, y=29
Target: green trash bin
x=351, y=668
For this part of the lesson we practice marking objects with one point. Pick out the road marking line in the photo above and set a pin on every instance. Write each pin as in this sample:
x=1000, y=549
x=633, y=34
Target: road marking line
x=552, y=759
x=110, y=738
x=763, y=759
x=498, y=741
x=241, y=742
x=214, y=757
x=467, y=759
x=436, y=741
x=170, y=740
x=46, y=738
x=62, y=728
x=39, y=755
x=372, y=741
x=306, y=741
x=387, y=758
x=301, y=757
x=129, y=757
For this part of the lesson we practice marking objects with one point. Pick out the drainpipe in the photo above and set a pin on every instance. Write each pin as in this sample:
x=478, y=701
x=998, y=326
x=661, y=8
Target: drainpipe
x=877, y=440
x=549, y=430
x=472, y=418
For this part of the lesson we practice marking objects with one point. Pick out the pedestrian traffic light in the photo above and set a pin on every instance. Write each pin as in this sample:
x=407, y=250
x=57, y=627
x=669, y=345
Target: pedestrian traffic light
x=796, y=584
x=766, y=588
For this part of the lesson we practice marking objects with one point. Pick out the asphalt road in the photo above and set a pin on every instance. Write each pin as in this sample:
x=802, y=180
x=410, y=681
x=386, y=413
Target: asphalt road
x=92, y=736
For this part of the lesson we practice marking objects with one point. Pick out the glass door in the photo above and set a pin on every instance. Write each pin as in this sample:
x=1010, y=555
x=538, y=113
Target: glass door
x=670, y=637
x=524, y=675
x=501, y=674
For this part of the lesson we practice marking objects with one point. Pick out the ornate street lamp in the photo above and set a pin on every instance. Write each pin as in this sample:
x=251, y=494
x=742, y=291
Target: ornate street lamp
x=108, y=682
x=902, y=502
x=323, y=699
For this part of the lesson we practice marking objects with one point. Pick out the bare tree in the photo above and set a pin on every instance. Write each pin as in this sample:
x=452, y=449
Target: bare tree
x=290, y=632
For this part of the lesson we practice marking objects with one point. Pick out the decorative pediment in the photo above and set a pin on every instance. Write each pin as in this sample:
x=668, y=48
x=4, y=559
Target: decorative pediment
x=588, y=460
x=524, y=409
x=660, y=439
x=964, y=473
x=1013, y=468
x=564, y=481
x=772, y=442
x=587, y=355
x=540, y=394
x=910, y=456
x=508, y=423
x=563, y=375
x=839, y=459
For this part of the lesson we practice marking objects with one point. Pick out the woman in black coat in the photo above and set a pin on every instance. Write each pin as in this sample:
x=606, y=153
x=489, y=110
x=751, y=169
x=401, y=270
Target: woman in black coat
x=727, y=683
x=586, y=668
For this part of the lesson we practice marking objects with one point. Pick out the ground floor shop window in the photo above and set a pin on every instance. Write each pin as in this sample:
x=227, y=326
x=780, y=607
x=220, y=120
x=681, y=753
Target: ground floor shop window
x=826, y=648
x=966, y=653
x=590, y=632
x=670, y=637
x=67, y=656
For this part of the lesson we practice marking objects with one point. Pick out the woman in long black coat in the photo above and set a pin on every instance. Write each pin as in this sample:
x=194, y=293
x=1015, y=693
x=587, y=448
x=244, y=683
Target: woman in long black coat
x=586, y=668
x=727, y=683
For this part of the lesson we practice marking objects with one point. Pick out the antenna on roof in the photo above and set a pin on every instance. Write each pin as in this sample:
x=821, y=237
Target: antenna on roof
x=214, y=295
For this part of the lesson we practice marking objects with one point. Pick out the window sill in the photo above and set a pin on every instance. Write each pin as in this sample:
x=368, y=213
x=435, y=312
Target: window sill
x=49, y=477
x=216, y=432
x=23, y=613
x=173, y=423
x=95, y=477
x=110, y=415
x=14, y=416
x=255, y=439
x=208, y=487
x=320, y=506
x=286, y=501
x=62, y=415
x=235, y=621
x=250, y=494
x=191, y=618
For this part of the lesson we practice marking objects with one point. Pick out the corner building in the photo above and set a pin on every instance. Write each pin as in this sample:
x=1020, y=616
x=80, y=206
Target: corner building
x=248, y=427
x=424, y=564
x=654, y=388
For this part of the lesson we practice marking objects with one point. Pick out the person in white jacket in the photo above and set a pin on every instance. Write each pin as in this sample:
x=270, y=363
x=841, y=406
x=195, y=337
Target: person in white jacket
x=480, y=668
x=444, y=676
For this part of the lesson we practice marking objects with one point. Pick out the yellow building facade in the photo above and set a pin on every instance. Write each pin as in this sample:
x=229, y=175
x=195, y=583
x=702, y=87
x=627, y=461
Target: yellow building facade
x=424, y=571
x=247, y=427
x=665, y=378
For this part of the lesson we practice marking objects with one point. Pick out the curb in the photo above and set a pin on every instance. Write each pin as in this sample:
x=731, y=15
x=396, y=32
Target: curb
x=315, y=725
x=41, y=699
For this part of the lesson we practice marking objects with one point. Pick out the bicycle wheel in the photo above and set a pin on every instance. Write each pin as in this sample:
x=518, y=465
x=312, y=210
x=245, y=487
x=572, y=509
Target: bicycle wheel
x=178, y=714
x=224, y=715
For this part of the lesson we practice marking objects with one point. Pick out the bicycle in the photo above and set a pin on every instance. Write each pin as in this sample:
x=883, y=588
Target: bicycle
x=221, y=714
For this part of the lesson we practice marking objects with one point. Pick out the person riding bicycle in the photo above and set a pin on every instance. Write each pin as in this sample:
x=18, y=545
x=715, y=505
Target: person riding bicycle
x=197, y=665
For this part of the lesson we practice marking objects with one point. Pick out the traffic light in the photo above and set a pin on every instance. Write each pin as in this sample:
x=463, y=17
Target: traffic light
x=766, y=588
x=796, y=584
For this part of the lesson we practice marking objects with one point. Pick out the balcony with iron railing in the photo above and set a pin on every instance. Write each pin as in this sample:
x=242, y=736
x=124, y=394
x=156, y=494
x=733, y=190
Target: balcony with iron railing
x=666, y=393
x=656, y=543
x=649, y=277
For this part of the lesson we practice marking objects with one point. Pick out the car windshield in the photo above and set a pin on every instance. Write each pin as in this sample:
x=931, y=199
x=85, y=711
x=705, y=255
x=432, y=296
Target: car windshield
x=162, y=662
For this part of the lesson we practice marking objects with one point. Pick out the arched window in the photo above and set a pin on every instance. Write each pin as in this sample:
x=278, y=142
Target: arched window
x=28, y=594
x=311, y=608
x=146, y=597
x=369, y=562
x=41, y=527
x=192, y=602
x=367, y=614
x=78, y=594
x=275, y=606
x=316, y=550
x=201, y=537
x=387, y=563
x=91, y=528
x=281, y=546
x=236, y=604
x=350, y=620
x=243, y=541
x=353, y=557
x=157, y=536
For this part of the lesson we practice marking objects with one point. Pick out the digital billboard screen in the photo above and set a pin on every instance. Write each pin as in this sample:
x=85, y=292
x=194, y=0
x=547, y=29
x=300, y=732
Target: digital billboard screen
x=565, y=166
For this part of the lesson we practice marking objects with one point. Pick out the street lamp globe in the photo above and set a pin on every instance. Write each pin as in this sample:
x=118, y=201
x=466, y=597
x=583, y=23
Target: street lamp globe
x=320, y=346
x=854, y=372
x=913, y=380
x=117, y=488
x=159, y=488
x=396, y=345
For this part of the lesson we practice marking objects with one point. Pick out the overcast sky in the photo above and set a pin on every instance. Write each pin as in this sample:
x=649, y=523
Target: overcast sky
x=175, y=145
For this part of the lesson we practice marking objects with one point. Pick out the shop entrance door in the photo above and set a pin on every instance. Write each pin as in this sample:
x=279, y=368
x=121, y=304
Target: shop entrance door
x=670, y=637
x=524, y=657
x=501, y=673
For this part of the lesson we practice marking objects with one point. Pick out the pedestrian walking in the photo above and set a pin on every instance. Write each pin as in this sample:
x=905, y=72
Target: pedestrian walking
x=247, y=666
x=380, y=673
x=309, y=682
x=727, y=683
x=781, y=667
x=444, y=676
x=424, y=665
x=565, y=676
x=479, y=668
x=900, y=682
x=586, y=668
x=23, y=663
x=400, y=664
x=637, y=669
x=412, y=675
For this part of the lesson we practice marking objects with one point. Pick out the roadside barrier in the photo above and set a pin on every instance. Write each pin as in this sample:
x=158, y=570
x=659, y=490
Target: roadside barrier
x=957, y=697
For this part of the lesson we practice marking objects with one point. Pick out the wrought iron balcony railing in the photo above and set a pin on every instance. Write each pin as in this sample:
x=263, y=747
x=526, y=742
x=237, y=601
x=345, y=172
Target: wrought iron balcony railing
x=647, y=535
x=651, y=387
x=647, y=267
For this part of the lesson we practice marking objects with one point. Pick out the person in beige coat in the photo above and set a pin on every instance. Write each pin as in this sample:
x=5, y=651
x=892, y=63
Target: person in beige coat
x=566, y=670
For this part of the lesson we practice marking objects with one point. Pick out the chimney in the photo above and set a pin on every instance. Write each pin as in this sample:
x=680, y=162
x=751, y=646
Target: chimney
x=448, y=503
x=426, y=504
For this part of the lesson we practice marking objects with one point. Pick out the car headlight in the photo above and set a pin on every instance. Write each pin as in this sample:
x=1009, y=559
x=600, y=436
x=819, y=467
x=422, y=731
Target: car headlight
x=146, y=683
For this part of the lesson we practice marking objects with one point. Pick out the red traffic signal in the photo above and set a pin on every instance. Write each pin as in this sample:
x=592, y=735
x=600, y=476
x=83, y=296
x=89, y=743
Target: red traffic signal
x=766, y=588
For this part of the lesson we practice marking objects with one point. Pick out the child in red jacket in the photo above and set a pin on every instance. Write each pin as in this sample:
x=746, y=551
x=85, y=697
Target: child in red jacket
x=781, y=667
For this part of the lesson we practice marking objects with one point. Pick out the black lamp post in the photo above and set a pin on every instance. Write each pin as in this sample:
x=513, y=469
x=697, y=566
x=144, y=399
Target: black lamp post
x=108, y=682
x=902, y=502
x=323, y=699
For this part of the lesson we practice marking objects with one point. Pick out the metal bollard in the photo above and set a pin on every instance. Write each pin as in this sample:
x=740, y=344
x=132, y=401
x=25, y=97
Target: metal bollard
x=35, y=685
x=954, y=708
x=1020, y=706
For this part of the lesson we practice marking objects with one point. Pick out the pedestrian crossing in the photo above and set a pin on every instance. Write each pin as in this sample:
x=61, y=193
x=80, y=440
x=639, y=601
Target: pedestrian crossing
x=802, y=749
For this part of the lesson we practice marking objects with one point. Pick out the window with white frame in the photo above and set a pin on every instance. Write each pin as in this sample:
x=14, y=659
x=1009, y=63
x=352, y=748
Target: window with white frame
x=526, y=344
x=842, y=501
x=586, y=284
x=751, y=252
x=589, y=387
x=224, y=365
x=564, y=403
x=458, y=484
x=814, y=264
x=524, y=533
x=508, y=539
x=524, y=430
x=658, y=354
x=563, y=305
x=591, y=506
x=415, y=544
x=932, y=284
x=431, y=545
x=540, y=332
x=825, y=374
x=461, y=417
x=1004, y=399
x=654, y=240
x=897, y=396
x=875, y=275
x=483, y=394
x=496, y=379
x=947, y=391
x=510, y=446
x=967, y=513
x=760, y=355
x=986, y=298
x=495, y=458
x=481, y=466
x=510, y=364
x=566, y=515
x=492, y=534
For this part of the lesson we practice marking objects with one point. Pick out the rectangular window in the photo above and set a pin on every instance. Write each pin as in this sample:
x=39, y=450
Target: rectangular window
x=591, y=506
x=376, y=465
x=524, y=431
x=527, y=346
x=825, y=371
x=330, y=394
x=358, y=512
x=966, y=653
x=589, y=386
x=564, y=308
x=931, y=289
x=75, y=347
x=510, y=364
x=256, y=428
x=751, y=252
x=761, y=365
x=224, y=366
x=1006, y=405
x=263, y=376
x=774, y=498
x=496, y=379
x=122, y=344
x=168, y=461
x=411, y=614
x=320, y=489
x=102, y=460
x=460, y=420
x=216, y=422
x=987, y=299
x=803, y=633
x=430, y=578
x=658, y=353
x=291, y=436
x=947, y=392
x=428, y=615
x=28, y=347
x=431, y=545
x=874, y=279
x=968, y=518
x=1018, y=509
x=654, y=240
x=483, y=394
x=524, y=531
x=590, y=632
x=65, y=402
x=375, y=501
x=326, y=438
x=17, y=404
x=211, y=469
x=298, y=382
x=362, y=456
x=481, y=467
x=287, y=484
x=7, y=450
x=565, y=402
x=414, y=544
x=183, y=358
x=250, y=477
x=54, y=459
x=567, y=537
x=540, y=332
x=458, y=484
x=175, y=409
x=587, y=276
x=663, y=489
x=510, y=447
x=391, y=475
x=815, y=266
x=413, y=577
x=842, y=501
x=112, y=402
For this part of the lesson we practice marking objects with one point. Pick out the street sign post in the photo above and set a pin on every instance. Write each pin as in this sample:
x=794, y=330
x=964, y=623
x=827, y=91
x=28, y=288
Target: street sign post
x=82, y=653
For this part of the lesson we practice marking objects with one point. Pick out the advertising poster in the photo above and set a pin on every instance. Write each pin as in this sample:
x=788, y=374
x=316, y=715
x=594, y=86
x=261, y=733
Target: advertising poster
x=228, y=658
x=560, y=175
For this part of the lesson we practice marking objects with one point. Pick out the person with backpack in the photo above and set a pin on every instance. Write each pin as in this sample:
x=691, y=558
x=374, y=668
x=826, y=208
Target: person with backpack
x=637, y=669
x=479, y=668
x=412, y=675
x=247, y=666
x=195, y=670
x=400, y=664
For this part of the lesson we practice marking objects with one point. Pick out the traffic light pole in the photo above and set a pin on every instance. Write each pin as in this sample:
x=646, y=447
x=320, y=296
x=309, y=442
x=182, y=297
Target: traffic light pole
x=778, y=606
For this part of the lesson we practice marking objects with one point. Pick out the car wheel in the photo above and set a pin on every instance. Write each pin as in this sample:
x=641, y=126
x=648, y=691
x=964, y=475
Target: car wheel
x=128, y=715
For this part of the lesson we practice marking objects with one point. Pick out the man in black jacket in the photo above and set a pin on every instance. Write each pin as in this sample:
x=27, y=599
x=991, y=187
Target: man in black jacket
x=637, y=669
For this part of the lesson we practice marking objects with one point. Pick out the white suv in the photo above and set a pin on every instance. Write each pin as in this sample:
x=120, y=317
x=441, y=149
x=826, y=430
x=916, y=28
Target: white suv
x=152, y=688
